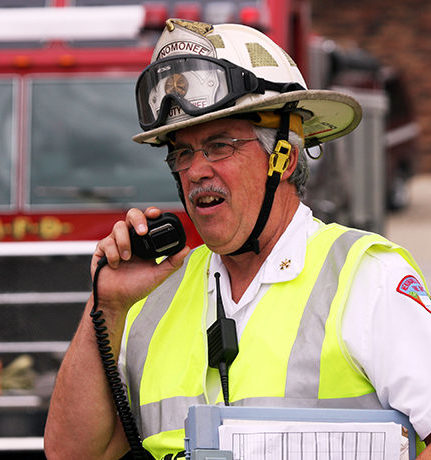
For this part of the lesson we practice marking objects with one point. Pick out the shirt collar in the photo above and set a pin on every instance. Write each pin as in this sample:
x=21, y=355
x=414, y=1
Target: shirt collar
x=286, y=260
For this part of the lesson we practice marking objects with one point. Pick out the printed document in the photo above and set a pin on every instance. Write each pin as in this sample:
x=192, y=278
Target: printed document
x=273, y=440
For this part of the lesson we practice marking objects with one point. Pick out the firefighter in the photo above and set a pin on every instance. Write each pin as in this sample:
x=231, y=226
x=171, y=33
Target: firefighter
x=326, y=316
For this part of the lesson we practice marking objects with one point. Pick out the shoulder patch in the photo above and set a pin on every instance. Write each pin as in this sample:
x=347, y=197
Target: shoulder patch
x=412, y=288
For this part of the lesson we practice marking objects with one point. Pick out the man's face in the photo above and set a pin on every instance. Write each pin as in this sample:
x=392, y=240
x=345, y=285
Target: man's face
x=224, y=197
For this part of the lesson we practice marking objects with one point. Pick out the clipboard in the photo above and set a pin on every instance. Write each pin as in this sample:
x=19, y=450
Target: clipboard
x=203, y=422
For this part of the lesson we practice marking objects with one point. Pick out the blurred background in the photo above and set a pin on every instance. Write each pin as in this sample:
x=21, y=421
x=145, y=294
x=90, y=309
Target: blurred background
x=69, y=169
x=398, y=34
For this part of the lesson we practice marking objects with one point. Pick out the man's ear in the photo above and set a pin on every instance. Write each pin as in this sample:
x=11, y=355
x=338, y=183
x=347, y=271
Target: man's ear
x=293, y=161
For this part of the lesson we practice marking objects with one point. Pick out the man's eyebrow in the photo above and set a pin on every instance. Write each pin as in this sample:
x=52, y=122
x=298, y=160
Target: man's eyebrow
x=217, y=135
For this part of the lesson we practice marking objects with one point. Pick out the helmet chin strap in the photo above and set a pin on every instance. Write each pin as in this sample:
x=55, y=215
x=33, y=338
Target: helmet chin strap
x=278, y=163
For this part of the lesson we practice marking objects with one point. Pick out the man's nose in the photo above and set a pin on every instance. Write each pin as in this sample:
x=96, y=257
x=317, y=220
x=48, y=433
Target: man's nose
x=200, y=166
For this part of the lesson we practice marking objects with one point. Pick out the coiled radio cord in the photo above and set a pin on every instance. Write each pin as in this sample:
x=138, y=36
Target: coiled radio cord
x=113, y=375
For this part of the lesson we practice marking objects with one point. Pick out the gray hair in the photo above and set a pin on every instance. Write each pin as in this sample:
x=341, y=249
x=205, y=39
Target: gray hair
x=299, y=177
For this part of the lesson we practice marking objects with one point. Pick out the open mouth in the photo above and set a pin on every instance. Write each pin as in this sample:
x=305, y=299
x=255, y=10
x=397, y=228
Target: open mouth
x=208, y=201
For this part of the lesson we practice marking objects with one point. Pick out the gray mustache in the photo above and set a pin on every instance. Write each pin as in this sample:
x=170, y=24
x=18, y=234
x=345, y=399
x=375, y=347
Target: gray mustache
x=207, y=189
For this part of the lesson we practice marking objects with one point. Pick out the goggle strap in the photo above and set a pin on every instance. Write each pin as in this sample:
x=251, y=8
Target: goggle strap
x=278, y=86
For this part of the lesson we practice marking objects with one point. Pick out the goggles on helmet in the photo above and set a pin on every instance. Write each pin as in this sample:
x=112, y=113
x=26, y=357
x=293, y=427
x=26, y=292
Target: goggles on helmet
x=194, y=85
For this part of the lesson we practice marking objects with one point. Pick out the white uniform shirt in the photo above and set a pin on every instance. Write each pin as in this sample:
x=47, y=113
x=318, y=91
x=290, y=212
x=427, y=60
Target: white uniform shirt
x=387, y=333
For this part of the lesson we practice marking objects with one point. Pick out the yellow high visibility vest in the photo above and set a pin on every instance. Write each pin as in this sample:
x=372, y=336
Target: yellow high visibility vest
x=290, y=353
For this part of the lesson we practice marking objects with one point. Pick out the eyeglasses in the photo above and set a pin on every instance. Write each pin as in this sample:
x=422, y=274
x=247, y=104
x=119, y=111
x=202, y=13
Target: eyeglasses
x=214, y=150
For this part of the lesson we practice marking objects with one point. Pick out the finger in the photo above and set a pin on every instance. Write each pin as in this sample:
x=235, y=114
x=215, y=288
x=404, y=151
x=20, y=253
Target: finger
x=110, y=249
x=175, y=261
x=121, y=237
x=152, y=212
x=136, y=218
x=99, y=252
x=97, y=255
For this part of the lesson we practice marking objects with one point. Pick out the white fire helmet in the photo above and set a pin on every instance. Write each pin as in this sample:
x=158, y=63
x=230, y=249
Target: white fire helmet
x=200, y=72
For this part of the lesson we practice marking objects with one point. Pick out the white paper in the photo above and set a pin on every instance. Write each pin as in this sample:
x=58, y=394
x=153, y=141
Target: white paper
x=272, y=440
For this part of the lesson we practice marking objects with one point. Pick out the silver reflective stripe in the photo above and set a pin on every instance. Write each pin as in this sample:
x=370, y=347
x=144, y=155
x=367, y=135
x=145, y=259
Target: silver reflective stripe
x=369, y=401
x=142, y=331
x=303, y=369
x=167, y=414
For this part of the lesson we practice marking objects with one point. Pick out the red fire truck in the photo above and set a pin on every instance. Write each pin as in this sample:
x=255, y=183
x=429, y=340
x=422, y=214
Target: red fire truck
x=69, y=168
x=67, y=74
